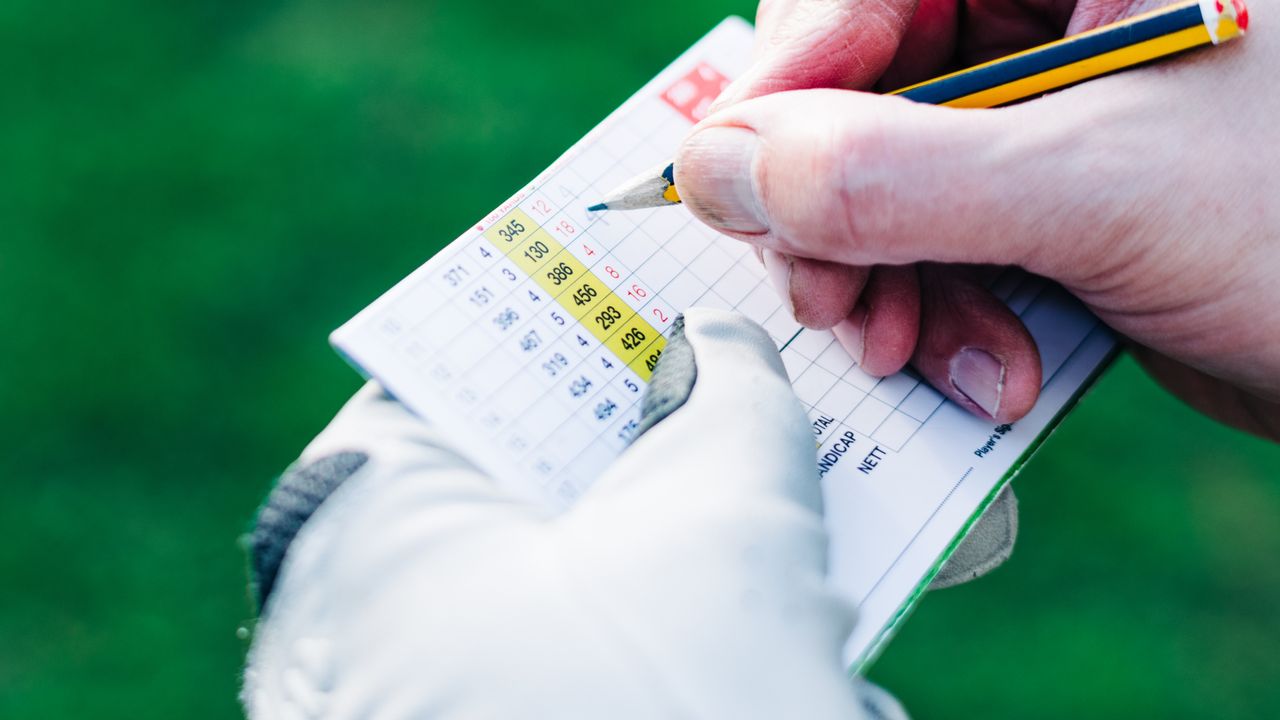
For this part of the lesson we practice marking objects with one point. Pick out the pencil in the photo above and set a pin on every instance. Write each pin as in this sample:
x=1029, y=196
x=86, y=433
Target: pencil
x=1052, y=66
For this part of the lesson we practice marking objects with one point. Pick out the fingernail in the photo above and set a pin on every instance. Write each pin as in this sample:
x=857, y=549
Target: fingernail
x=759, y=251
x=979, y=376
x=778, y=267
x=862, y=336
x=717, y=181
x=851, y=333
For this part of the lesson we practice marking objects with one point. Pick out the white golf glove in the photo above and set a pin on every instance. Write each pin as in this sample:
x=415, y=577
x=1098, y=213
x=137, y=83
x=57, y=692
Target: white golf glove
x=396, y=580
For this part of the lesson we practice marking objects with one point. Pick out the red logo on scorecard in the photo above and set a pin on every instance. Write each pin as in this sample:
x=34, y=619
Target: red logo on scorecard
x=694, y=93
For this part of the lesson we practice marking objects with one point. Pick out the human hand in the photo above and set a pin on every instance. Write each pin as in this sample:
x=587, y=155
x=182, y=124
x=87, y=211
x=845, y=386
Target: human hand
x=1150, y=194
x=688, y=582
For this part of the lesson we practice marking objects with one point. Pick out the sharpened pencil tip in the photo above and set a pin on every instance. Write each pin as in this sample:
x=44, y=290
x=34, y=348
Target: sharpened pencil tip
x=655, y=188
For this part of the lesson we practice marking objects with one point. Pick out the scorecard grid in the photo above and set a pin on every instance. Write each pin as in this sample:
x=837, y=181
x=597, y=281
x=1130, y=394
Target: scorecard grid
x=493, y=293
x=888, y=411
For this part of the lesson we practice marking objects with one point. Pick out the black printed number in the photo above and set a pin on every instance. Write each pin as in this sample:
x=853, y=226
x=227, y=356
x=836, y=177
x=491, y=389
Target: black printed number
x=608, y=317
x=511, y=230
x=632, y=339
x=651, y=362
x=560, y=273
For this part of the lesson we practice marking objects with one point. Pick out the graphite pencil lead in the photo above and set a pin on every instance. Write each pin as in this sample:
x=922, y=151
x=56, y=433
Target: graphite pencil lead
x=653, y=189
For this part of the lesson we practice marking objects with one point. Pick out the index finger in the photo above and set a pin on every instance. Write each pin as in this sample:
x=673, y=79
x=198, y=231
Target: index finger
x=802, y=44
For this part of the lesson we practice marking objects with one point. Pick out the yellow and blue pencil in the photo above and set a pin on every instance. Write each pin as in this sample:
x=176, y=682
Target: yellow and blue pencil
x=1124, y=44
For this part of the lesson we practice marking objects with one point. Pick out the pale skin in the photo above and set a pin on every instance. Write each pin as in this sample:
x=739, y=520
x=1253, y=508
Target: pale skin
x=1152, y=195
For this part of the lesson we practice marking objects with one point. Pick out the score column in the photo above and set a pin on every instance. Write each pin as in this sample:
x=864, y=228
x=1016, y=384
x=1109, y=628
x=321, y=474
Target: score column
x=596, y=308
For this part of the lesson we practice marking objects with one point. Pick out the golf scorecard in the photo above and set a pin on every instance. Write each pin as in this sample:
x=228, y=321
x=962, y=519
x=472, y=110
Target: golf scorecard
x=530, y=340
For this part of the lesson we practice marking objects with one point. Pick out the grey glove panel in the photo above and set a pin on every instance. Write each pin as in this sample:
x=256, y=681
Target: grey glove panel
x=672, y=380
x=988, y=544
x=292, y=501
x=879, y=704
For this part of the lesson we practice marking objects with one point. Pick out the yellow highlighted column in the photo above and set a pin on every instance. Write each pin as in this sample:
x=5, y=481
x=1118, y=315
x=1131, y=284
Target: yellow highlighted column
x=607, y=317
x=535, y=251
x=508, y=233
x=597, y=308
x=632, y=336
x=647, y=360
x=583, y=295
x=559, y=273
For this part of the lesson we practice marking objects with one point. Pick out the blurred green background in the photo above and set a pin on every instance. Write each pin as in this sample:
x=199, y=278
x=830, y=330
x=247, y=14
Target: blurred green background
x=193, y=194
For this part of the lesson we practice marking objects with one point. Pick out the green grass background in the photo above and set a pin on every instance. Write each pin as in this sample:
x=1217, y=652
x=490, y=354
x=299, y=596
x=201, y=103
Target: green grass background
x=193, y=194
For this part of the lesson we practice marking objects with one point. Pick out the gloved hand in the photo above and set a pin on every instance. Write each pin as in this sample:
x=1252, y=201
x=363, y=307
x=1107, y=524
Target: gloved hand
x=398, y=581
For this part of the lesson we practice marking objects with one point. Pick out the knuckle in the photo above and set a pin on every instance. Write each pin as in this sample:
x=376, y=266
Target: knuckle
x=863, y=199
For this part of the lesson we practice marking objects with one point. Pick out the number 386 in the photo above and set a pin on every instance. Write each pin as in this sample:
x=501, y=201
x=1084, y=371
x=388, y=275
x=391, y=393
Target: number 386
x=560, y=273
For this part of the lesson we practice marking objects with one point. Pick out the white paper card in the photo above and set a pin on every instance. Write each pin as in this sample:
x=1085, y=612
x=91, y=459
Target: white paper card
x=531, y=338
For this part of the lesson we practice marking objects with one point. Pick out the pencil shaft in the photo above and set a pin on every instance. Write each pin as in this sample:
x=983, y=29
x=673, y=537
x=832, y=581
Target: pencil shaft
x=1064, y=62
x=1133, y=41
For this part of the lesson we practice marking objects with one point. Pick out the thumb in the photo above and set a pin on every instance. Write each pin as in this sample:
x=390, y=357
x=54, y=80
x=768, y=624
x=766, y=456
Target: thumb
x=820, y=43
x=720, y=407
x=864, y=179
x=709, y=529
